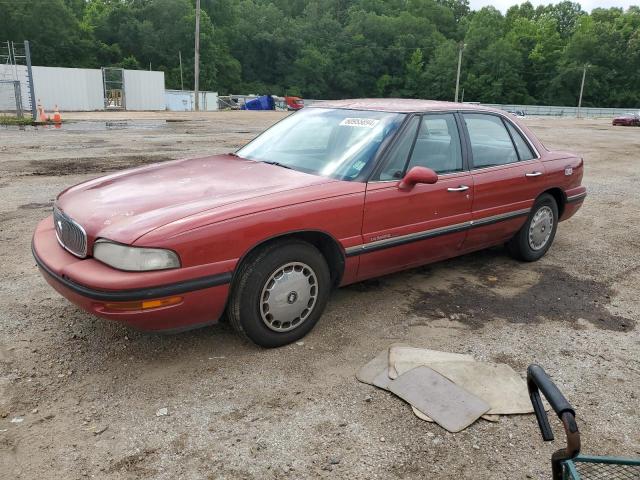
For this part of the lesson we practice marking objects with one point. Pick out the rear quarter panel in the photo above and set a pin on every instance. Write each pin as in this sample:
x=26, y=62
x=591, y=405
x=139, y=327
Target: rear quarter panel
x=563, y=170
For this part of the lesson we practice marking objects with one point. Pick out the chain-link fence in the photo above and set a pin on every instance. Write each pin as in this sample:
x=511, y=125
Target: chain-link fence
x=16, y=80
x=11, y=98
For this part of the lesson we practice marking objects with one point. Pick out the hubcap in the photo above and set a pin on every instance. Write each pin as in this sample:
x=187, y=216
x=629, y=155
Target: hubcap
x=288, y=296
x=540, y=228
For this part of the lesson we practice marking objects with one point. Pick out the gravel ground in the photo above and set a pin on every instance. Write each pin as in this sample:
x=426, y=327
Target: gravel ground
x=80, y=397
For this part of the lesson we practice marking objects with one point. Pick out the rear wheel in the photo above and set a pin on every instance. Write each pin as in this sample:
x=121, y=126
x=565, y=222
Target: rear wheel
x=279, y=293
x=536, y=236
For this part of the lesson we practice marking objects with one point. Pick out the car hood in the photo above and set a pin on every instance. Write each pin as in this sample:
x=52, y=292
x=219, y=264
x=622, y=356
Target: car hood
x=128, y=204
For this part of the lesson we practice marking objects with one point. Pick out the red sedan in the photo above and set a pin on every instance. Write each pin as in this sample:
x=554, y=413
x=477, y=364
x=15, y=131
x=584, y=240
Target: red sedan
x=334, y=194
x=627, y=120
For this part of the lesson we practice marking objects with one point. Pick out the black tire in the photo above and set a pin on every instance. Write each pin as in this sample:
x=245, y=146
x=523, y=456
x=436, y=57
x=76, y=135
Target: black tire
x=245, y=302
x=520, y=246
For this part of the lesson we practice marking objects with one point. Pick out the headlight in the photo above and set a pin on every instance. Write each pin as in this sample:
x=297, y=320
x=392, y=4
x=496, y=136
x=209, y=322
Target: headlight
x=134, y=259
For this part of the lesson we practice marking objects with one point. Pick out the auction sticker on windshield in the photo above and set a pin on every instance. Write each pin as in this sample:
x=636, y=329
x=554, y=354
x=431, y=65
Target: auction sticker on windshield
x=359, y=122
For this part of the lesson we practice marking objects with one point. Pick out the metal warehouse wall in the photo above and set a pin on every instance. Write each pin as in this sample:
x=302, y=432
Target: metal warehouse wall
x=69, y=88
x=144, y=90
x=81, y=89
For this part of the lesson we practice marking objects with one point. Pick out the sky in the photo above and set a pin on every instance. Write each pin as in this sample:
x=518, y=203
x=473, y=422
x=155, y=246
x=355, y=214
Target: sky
x=587, y=5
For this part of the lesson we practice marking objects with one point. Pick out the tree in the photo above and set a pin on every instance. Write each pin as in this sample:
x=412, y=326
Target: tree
x=440, y=74
x=414, y=77
x=348, y=48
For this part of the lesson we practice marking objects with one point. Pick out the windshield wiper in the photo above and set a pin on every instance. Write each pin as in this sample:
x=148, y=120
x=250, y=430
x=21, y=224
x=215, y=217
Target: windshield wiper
x=277, y=164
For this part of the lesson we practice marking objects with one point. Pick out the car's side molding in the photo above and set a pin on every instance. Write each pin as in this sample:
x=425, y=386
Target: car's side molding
x=138, y=293
x=431, y=233
x=576, y=198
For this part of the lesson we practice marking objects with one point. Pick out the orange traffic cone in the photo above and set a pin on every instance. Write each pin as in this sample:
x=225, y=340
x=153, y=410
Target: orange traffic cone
x=57, y=118
x=41, y=115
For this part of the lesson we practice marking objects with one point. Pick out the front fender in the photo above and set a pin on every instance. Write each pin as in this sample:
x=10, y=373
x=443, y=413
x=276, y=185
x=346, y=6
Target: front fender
x=229, y=240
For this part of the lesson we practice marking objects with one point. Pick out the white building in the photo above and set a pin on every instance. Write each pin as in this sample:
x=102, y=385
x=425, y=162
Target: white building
x=84, y=89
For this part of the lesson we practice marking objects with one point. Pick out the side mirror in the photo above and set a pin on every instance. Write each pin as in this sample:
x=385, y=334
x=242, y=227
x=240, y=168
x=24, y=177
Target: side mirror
x=417, y=175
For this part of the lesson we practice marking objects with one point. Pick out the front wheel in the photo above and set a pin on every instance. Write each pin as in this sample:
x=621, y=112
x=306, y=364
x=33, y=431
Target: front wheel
x=536, y=236
x=279, y=293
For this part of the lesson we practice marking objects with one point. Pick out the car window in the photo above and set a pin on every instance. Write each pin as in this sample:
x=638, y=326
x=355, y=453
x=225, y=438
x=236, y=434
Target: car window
x=438, y=144
x=399, y=153
x=490, y=142
x=524, y=151
x=314, y=134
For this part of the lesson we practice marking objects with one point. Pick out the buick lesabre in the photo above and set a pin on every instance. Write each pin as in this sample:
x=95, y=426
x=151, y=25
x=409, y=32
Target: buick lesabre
x=336, y=193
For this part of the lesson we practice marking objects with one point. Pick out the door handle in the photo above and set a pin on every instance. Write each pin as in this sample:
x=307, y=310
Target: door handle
x=461, y=188
x=533, y=174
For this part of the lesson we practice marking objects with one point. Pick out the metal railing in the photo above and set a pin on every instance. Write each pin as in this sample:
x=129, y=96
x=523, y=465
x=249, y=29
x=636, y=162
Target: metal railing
x=558, y=111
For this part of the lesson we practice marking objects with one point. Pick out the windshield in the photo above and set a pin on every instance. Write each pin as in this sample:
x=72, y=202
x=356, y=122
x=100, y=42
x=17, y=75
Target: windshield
x=332, y=143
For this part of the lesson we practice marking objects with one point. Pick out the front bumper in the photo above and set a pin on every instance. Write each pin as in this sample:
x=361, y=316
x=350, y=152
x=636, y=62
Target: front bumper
x=93, y=286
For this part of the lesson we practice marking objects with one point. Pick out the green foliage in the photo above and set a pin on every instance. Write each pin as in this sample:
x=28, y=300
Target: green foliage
x=348, y=48
x=11, y=120
x=440, y=74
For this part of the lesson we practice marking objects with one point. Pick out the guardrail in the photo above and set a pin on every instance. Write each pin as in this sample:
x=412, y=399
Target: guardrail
x=558, y=111
x=545, y=110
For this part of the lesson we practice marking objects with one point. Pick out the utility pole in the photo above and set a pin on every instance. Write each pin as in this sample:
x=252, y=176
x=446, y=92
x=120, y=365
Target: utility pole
x=196, y=67
x=180, y=58
x=462, y=45
x=584, y=74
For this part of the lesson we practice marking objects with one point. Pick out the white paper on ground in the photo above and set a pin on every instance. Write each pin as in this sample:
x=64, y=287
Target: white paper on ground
x=449, y=405
x=496, y=383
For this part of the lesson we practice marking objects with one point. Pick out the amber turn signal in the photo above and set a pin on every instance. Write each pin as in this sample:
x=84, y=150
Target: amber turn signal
x=143, y=304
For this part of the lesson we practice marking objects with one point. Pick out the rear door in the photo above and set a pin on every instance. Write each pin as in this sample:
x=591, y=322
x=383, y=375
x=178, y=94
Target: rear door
x=403, y=228
x=507, y=178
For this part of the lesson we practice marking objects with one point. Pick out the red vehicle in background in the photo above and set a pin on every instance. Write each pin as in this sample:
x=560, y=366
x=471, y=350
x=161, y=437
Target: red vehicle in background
x=627, y=120
x=294, y=103
x=336, y=193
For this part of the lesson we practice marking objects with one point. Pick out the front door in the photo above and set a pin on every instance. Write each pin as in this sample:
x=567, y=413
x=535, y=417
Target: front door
x=406, y=228
x=507, y=177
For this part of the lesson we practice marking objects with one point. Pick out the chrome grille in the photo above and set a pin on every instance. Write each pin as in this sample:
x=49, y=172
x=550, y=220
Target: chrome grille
x=71, y=236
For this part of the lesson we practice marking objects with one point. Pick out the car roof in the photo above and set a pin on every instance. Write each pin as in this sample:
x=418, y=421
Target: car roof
x=401, y=105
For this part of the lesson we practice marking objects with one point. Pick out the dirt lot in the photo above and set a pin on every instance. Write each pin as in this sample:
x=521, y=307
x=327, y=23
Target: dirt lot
x=87, y=391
